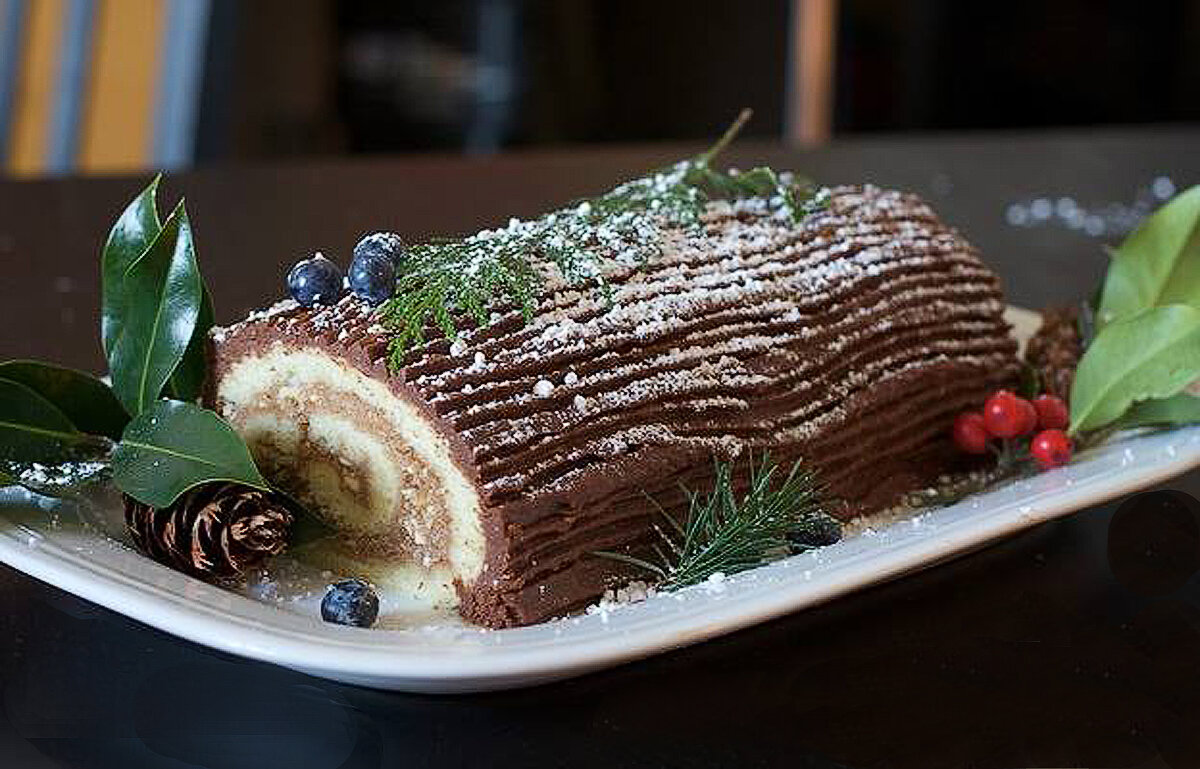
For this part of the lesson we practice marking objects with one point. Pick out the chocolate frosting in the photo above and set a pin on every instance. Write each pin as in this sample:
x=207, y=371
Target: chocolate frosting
x=848, y=341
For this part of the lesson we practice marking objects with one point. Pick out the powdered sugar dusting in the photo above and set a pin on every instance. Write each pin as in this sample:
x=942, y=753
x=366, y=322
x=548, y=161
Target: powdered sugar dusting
x=752, y=334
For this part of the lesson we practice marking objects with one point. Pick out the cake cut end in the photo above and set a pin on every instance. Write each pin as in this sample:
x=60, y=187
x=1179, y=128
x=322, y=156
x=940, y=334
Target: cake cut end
x=364, y=459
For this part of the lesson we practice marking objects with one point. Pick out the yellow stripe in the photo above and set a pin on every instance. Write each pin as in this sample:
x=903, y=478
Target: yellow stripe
x=35, y=86
x=118, y=118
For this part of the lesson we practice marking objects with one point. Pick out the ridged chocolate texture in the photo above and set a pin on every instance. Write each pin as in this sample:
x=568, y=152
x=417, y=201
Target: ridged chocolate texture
x=849, y=341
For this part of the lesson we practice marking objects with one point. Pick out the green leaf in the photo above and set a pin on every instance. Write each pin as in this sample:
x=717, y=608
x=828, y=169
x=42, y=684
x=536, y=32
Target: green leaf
x=39, y=447
x=1157, y=265
x=135, y=230
x=1086, y=324
x=187, y=380
x=164, y=295
x=87, y=402
x=173, y=446
x=1151, y=355
x=1180, y=409
x=65, y=479
x=32, y=429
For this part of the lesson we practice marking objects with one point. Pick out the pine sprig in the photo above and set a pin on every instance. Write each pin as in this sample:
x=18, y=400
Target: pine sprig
x=726, y=533
x=446, y=283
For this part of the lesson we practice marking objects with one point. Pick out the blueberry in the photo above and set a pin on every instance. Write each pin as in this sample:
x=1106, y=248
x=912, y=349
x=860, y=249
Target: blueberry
x=815, y=530
x=350, y=602
x=372, y=278
x=385, y=244
x=315, y=281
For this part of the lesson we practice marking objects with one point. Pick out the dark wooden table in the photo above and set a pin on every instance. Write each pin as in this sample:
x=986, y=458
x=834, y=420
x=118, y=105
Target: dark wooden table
x=1030, y=653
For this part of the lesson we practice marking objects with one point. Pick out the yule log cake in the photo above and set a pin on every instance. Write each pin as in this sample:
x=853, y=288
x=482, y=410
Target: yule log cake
x=487, y=472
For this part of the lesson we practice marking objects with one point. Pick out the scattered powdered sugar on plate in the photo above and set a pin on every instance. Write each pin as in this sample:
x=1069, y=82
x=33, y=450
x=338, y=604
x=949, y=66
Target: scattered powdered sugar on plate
x=634, y=592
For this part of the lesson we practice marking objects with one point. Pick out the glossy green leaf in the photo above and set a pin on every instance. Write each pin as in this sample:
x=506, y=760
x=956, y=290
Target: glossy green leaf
x=173, y=446
x=135, y=230
x=1158, y=264
x=188, y=378
x=32, y=429
x=163, y=303
x=1086, y=322
x=87, y=402
x=66, y=479
x=1180, y=409
x=1151, y=355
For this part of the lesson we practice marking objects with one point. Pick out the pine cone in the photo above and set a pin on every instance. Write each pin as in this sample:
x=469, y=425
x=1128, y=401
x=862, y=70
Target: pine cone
x=216, y=531
x=1055, y=349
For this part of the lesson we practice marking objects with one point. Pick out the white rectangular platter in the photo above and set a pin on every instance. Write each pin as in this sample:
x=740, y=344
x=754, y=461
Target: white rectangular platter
x=437, y=654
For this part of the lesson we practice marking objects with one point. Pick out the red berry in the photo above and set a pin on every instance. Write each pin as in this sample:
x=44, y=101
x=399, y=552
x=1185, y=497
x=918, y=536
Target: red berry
x=1051, y=448
x=1004, y=416
x=969, y=433
x=1029, y=416
x=1052, y=412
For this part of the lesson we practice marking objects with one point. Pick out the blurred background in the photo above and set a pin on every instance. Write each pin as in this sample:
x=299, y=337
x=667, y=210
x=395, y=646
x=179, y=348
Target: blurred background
x=119, y=85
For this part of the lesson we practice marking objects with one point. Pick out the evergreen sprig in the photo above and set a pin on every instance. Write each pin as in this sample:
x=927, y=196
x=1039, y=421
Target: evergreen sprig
x=727, y=533
x=444, y=283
